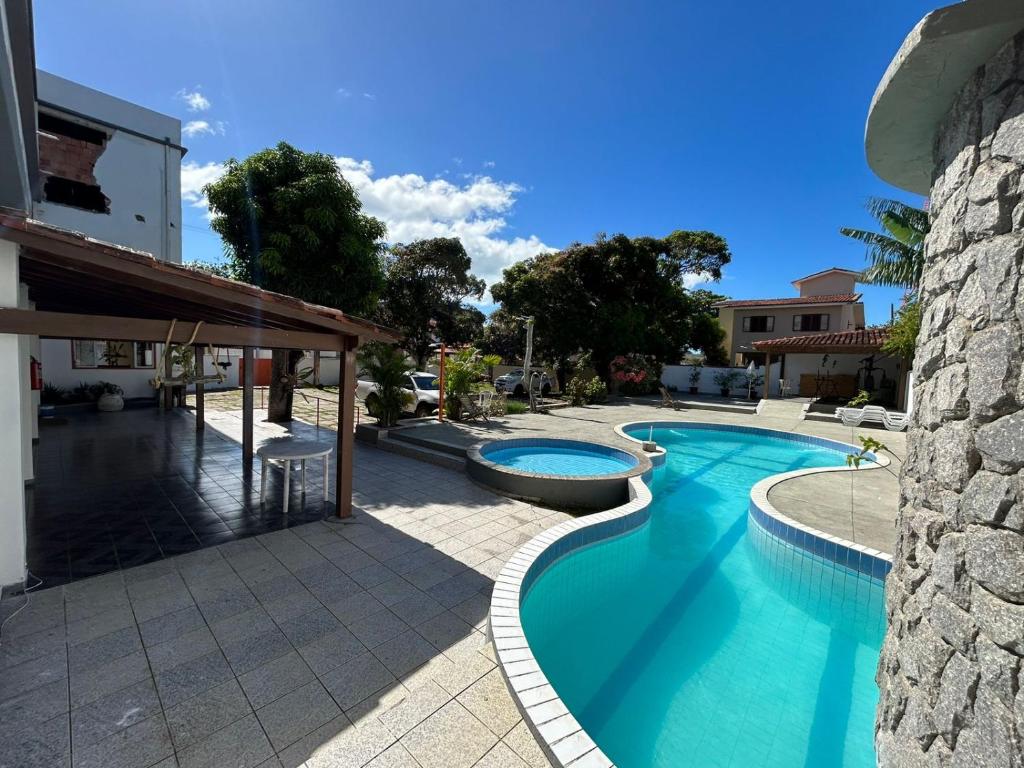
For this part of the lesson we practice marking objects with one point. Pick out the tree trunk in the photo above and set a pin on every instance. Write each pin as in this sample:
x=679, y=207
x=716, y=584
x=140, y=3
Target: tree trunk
x=949, y=669
x=283, y=363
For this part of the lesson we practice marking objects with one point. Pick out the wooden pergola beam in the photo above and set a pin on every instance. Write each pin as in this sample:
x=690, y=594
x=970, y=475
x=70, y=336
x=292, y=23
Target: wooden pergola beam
x=66, y=325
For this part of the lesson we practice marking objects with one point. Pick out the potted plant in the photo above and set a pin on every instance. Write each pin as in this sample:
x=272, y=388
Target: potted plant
x=109, y=396
x=724, y=380
x=694, y=379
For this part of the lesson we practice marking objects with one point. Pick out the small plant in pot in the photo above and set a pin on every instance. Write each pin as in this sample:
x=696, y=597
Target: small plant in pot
x=724, y=381
x=694, y=379
x=109, y=396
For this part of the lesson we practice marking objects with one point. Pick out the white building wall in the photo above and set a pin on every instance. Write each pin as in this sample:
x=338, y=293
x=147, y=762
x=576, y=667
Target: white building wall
x=13, y=374
x=141, y=176
x=678, y=376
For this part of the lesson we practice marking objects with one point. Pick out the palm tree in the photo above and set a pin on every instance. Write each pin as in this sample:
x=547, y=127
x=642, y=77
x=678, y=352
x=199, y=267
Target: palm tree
x=896, y=255
x=387, y=368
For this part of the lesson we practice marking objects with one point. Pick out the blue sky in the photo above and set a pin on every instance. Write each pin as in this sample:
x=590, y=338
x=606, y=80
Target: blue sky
x=519, y=126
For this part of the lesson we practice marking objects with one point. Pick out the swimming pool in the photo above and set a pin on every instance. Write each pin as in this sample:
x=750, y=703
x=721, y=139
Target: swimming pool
x=549, y=459
x=693, y=641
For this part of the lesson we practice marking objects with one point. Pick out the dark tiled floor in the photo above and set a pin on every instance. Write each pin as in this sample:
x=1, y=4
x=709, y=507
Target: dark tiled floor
x=115, y=490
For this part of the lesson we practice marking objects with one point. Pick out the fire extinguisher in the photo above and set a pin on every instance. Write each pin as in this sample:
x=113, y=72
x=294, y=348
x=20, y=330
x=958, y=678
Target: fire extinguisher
x=36, y=374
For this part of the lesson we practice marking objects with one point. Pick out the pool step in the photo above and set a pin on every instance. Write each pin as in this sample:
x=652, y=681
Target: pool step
x=411, y=437
x=781, y=409
x=421, y=453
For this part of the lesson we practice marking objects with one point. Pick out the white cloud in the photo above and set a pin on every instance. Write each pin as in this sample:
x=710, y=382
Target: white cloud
x=414, y=207
x=194, y=100
x=488, y=164
x=343, y=92
x=194, y=177
x=370, y=96
x=202, y=127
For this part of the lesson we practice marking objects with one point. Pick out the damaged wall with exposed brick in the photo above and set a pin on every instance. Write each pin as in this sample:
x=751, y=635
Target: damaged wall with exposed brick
x=950, y=673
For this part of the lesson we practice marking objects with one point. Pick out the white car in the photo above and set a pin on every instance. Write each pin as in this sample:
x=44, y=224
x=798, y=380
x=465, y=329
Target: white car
x=512, y=383
x=422, y=386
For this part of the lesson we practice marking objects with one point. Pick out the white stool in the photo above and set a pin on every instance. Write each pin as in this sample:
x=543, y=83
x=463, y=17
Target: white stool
x=287, y=450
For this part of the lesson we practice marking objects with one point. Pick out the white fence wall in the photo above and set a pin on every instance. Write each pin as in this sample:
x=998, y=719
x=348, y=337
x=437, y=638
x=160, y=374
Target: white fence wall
x=678, y=376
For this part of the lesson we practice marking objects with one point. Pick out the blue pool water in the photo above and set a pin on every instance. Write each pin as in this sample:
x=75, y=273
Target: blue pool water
x=552, y=460
x=693, y=641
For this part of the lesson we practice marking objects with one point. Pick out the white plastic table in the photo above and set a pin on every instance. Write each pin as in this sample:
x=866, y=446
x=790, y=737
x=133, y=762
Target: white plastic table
x=287, y=451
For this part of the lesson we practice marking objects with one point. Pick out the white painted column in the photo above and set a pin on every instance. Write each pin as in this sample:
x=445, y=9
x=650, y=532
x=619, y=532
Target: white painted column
x=13, y=375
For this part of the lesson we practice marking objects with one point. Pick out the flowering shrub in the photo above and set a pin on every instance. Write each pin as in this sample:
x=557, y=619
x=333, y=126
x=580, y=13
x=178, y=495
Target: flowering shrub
x=636, y=374
x=580, y=391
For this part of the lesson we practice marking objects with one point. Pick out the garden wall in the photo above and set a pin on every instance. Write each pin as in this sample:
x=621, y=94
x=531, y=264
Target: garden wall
x=678, y=376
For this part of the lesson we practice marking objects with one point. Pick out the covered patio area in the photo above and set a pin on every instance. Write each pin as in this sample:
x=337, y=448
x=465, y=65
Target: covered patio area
x=111, y=490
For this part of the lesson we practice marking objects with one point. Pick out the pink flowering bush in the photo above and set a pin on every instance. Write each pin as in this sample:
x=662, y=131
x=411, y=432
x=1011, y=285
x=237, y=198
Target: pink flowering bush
x=636, y=374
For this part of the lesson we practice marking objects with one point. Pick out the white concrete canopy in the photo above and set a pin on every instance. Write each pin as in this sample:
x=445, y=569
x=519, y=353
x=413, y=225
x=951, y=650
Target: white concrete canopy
x=918, y=88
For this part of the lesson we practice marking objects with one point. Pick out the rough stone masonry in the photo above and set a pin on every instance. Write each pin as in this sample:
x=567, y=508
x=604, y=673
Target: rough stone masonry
x=950, y=673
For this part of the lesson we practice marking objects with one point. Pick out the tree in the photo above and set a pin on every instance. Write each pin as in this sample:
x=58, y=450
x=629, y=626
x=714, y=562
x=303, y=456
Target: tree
x=903, y=331
x=386, y=367
x=292, y=224
x=429, y=280
x=896, y=256
x=618, y=295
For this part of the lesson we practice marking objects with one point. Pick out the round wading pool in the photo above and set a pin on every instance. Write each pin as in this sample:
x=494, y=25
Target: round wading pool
x=569, y=474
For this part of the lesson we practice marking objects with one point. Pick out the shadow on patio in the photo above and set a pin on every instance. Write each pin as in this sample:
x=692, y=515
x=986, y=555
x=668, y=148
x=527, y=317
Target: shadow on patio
x=322, y=643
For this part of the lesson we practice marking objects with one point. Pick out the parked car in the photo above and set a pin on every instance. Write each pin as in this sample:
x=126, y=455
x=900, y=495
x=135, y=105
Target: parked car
x=512, y=383
x=422, y=386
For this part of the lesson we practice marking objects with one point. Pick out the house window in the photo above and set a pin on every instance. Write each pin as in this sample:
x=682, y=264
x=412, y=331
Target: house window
x=810, y=322
x=759, y=323
x=86, y=353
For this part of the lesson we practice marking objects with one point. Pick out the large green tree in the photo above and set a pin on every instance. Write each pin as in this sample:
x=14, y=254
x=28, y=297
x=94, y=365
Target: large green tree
x=896, y=254
x=425, y=281
x=292, y=224
x=618, y=295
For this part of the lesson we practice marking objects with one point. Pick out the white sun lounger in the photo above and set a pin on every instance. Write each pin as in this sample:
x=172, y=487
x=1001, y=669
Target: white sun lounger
x=854, y=417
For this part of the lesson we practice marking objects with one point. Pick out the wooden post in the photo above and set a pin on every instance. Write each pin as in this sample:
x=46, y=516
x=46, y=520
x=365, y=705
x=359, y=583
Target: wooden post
x=346, y=426
x=316, y=367
x=168, y=390
x=200, y=390
x=440, y=386
x=767, y=375
x=248, y=363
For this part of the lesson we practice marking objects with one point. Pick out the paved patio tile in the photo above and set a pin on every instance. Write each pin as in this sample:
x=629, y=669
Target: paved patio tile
x=243, y=744
x=445, y=630
x=372, y=575
x=196, y=718
x=417, y=609
x=404, y=653
x=331, y=651
x=97, y=682
x=169, y=626
x=354, y=607
x=138, y=746
x=489, y=700
x=185, y=647
x=99, y=624
x=501, y=756
x=378, y=628
x=113, y=712
x=355, y=680
x=250, y=652
x=338, y=744
x=420, y=703
x=103, y=650
x=521, y=741
x=297, y=714
x=192, y=678
x=272, y=680
x=292, y=605
x=311, y=626
x=395, y=756
x=46, y=745
x=449, y=738
x=35, y=706
x=33, y=674
x=20, y=649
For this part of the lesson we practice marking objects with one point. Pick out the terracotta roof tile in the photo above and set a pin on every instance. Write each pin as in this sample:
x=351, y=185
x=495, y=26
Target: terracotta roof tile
x=795, y=301
x=863, y=338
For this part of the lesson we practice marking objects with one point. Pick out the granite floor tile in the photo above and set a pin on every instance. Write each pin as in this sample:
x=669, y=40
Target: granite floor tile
x=449, y=738
x=355, y=680
x=404, y=653
x=501, y=756
x=113, y=712
x=35, y=706
x=243, y=744
x=352, y=608
x=272, y=680
x=378, y=628
x=488, y=699
x=297, y=714
x=32, y=674
x=170, y=626
x=338, y=744
x=444, y=630
x=331, y=651
x=196, y=718
x=97, y=682
x=420, y=703
x=521, y=741
x=248, y=653
x=184, y=681
x=183, y=648
x=395, y=756
x=104, y=649
x=138, y=746
x=45, y=745
x=311, y=626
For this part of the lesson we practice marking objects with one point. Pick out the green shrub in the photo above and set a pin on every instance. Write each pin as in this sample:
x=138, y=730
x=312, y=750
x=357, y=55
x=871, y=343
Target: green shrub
x=516, y=406
x=581, y=391
x=863, y=398
x=597, y=391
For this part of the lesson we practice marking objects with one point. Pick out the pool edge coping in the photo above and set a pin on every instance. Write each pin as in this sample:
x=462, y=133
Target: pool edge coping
x=561, y=737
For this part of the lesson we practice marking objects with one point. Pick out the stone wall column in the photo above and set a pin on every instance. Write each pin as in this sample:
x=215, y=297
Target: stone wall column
x=950, y=673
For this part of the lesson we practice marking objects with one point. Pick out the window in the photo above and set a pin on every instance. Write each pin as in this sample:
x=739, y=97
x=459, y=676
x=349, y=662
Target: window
x=759, y=323
x=86, y=353
x=810, y=322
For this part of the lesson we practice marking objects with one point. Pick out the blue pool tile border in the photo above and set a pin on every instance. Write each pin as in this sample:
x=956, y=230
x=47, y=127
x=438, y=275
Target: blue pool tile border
x=560, y=735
